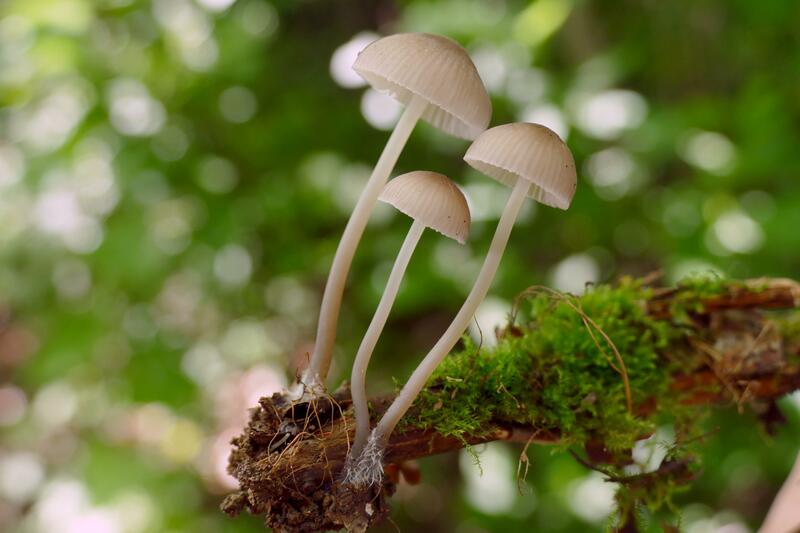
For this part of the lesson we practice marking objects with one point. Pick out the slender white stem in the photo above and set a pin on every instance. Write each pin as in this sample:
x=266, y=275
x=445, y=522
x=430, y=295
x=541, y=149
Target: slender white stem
x=358, y=377
x=421, y=374
x=332, y=297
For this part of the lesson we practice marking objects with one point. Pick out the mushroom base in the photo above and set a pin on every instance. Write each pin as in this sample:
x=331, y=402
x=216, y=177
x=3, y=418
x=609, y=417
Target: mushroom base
x=289, y=461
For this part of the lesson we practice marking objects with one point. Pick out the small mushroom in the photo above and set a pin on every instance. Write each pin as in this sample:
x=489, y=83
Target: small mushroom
x=436, y=80
x=433, y=201
x=536, y=163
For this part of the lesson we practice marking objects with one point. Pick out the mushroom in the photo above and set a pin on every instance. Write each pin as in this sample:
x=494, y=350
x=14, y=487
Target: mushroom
x=436, y=80
x=535, y=162
x=433, y=201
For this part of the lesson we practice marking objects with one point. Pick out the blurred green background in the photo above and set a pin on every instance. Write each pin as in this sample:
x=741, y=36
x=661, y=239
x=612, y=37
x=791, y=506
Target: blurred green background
x=175, y=175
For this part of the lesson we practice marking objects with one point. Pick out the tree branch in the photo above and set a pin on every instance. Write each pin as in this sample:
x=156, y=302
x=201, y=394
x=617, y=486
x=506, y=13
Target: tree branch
x=289, y=458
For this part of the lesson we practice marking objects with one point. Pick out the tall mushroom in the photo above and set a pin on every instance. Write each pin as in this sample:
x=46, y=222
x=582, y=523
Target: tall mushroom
x=436, y=80
x=536, y=163
x=433, y=201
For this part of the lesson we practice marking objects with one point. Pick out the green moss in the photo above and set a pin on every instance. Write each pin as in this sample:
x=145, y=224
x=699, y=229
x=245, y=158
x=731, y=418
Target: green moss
x=789, y=326
x=555, y=368
x=558, y=372
x=692, y=291
x=705, y=286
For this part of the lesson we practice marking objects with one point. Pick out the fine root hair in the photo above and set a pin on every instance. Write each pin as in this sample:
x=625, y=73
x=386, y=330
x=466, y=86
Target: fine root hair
x=367, y=469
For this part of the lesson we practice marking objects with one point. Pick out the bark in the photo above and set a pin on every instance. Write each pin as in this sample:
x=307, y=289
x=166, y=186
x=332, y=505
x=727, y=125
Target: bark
x=289, y=458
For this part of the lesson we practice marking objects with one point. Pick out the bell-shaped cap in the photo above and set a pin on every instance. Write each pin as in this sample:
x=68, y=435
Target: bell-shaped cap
x=432, y=199
x=435, y=68
x=530, y=152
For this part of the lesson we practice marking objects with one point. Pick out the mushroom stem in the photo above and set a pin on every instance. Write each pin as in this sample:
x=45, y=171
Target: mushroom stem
x=421, y=374
x=358, y=377
x=317, y=371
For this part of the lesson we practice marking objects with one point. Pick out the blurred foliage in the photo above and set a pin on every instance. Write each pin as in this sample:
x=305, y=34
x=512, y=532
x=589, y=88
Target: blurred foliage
x=175, y=174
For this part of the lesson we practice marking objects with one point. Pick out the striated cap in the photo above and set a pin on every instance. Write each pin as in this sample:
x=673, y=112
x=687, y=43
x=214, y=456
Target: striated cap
x=435, y=68
x=432, y=199
x=531, y=152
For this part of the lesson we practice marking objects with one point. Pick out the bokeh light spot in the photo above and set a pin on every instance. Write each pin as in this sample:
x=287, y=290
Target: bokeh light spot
x=494, y=476
x=611, y=171
x=238, y=104
x=217, y=175
x=342, y=60
x=380, y=110
x=737, y=232
x=21, y=474
x=490, y=315
x=708, y=150
x=591, y=498
x=216, y=6
x=257, y=18
x=233, y=266
x=606, y=115
x=574, y=272
x=133, y=111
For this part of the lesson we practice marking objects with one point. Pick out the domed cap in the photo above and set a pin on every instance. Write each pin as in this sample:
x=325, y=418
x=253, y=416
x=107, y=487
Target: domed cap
x=432, y=199
x=435, y=68
x=531, y=152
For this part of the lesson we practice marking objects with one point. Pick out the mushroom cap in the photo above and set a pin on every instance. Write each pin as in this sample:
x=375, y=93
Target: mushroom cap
x=531, y=152
x=435, y=68
x=432, y=199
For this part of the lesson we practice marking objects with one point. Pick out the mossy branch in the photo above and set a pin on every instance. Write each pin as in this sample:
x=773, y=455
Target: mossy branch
x=549, y=380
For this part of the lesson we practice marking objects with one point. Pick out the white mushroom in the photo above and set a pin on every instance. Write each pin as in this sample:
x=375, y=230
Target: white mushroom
x=433, y=201
x=436, y=80
x=536, y=163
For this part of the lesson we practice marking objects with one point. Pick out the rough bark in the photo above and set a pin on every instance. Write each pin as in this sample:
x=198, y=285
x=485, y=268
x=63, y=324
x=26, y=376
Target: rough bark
x=289, y=458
